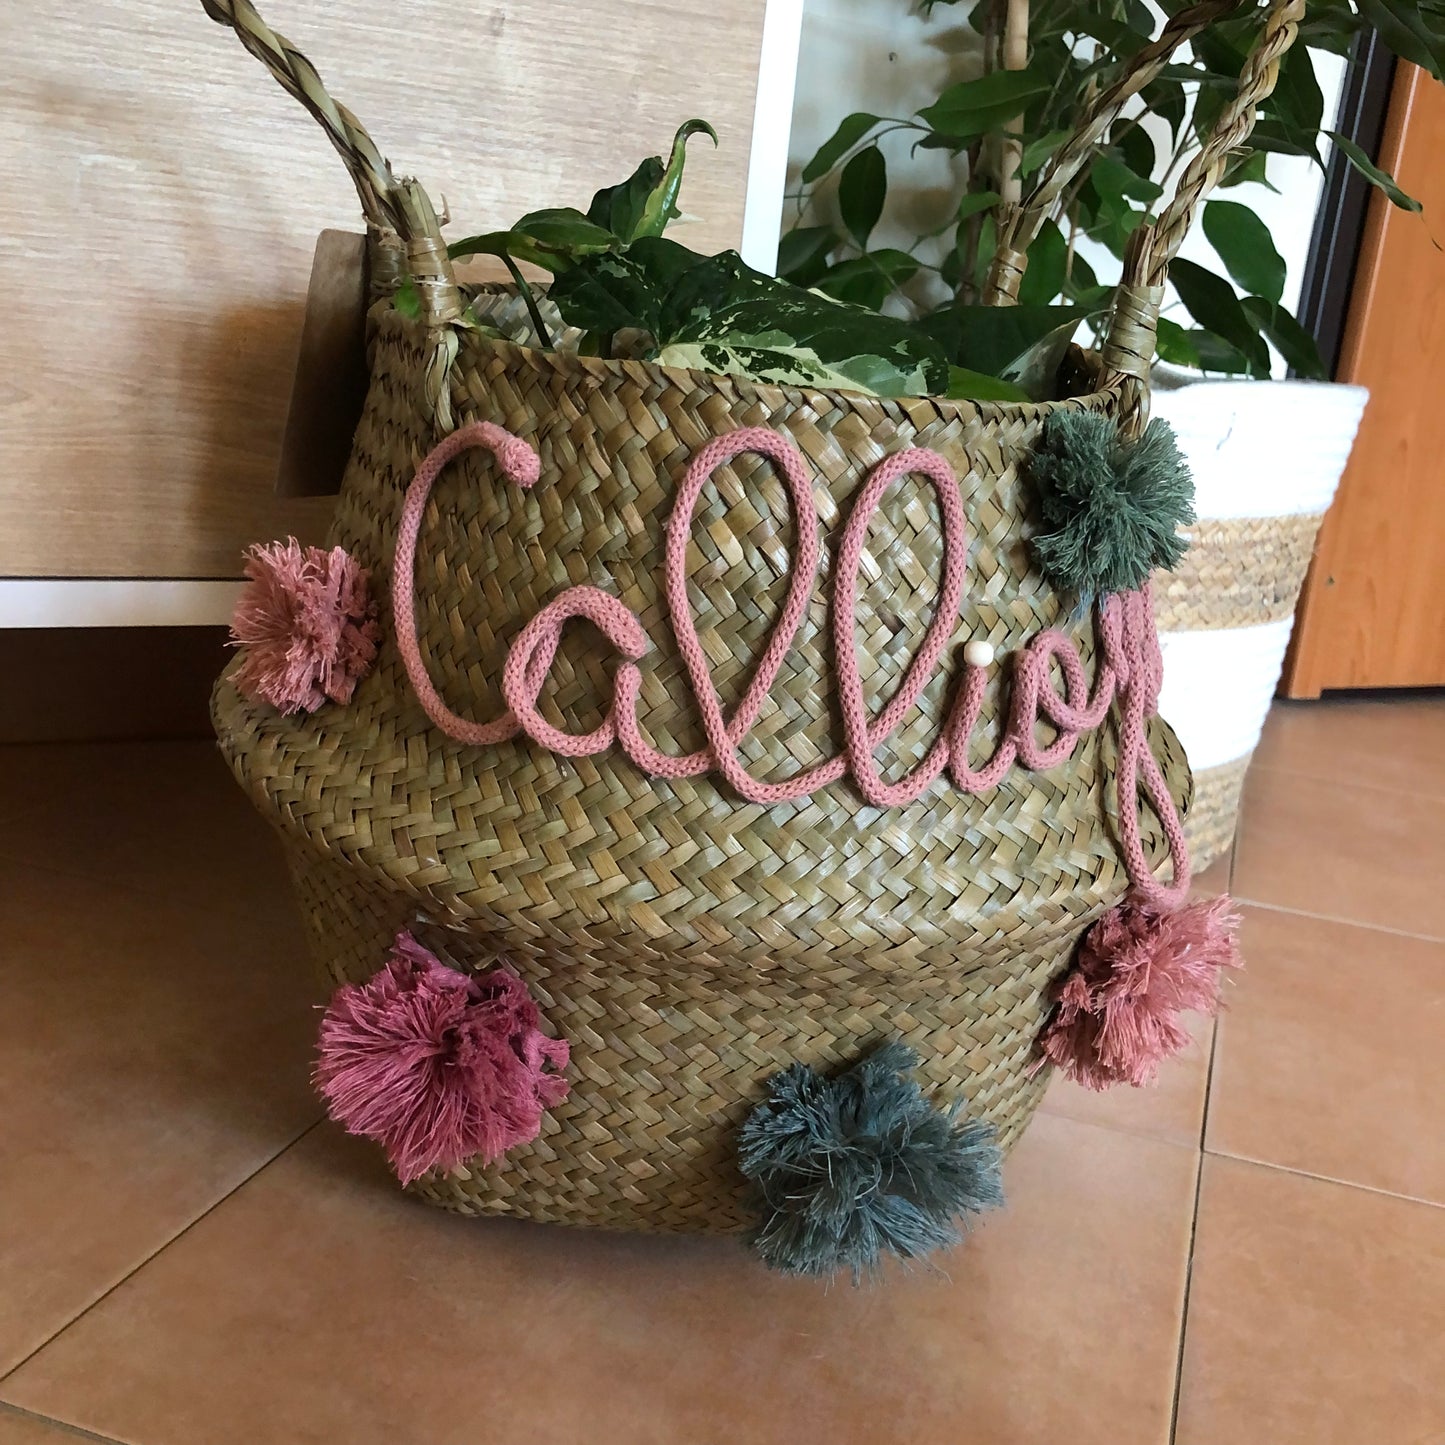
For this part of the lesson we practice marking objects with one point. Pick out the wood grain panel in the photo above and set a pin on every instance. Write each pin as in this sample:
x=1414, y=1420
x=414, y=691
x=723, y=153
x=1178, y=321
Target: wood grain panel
x=1373, y=610
x=161, y=198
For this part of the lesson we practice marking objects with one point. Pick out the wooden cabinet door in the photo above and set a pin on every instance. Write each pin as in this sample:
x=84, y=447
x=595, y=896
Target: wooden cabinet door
x=160, y=198
x=1373, y=609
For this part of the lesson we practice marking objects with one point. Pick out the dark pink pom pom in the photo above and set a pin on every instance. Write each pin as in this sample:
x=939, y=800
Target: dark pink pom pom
x=308, y=623
x=437, y=1066
x=1137, y=970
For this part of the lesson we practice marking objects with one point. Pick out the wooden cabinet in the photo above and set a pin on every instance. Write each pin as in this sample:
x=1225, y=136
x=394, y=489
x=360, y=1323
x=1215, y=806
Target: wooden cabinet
x=161, y=198
x=1373, y=610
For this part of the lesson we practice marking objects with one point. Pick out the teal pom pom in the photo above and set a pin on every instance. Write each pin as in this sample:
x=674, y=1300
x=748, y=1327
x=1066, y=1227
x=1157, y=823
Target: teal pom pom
x=1109, y=508
x=851, y=1168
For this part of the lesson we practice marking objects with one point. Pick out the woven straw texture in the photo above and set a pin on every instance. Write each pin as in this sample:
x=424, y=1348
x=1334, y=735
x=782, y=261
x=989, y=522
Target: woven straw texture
x=1238, y=572
x=688, y=945
x=1214, y=816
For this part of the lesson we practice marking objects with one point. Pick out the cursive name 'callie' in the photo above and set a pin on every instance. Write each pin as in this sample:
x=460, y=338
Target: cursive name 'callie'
x=1129, y=667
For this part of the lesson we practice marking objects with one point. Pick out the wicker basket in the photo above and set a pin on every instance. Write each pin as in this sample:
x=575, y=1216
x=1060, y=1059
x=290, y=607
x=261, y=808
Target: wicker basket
x=688, y=944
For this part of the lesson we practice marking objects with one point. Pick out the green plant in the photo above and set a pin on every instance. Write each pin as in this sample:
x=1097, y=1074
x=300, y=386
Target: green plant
x=1041, y=66
x=633, y=292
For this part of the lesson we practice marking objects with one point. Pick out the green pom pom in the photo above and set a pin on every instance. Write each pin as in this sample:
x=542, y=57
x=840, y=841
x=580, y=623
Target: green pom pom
x=851, y=1168
x=1110, y=509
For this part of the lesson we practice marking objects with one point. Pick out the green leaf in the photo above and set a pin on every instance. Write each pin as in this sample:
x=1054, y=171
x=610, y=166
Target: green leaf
x=871, y=279
x=1036, y=152
x=1248, y=168
x=995, y=339
x=1373, y=173
x=1113, y=179
x=974, y=202
x=619, y=208
x=966, y=385
x=1211, y=301
x=1290, y=339
x=803, y=253
x=1175, y=344
x=660, y=207
x=1136, y=148
x=1120, y=39
x=564, y=230
x=862, y=189
x=407, y=299
x=1081, y=286
x=1043, y=278
x=1297, y=99
x=1274, y=136
x=1216, y=354
x=1406, y=27
x=608, y=293
x=851, y=129
x=1165, y=98
x=974, y=107
x=1140, y=17
x=1246, y=248
x=646, y=201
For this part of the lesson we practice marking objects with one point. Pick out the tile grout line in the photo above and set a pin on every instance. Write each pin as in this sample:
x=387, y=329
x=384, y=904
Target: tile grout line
x=1325, y=1178
x=64, y=1426
x=1193, y=1230
x=159, y=1250
x=1342, y=922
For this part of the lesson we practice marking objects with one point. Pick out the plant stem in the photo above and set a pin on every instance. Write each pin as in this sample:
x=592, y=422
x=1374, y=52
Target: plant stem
x=1015, y=57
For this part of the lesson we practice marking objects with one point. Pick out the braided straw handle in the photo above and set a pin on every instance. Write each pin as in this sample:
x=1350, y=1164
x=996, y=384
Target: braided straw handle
x=1128, y=351
x=393, y=208
x=1020, y=225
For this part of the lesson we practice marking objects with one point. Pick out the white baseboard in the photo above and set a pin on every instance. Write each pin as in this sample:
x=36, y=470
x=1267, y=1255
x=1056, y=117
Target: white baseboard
x=114, y=602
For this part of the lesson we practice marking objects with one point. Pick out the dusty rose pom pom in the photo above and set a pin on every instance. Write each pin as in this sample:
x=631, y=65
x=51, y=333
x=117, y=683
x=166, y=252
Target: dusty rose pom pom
x=308, y=623
x=1137, y=970
x=438, y=1066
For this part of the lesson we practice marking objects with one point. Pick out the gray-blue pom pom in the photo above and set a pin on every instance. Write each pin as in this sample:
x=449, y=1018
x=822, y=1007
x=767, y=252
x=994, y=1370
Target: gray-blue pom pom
x=861, y=1165
x=1109, y=509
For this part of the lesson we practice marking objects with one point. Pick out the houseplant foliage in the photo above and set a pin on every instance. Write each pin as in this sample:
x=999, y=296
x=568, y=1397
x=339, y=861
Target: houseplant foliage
x=1041, y=64
x=622, y=289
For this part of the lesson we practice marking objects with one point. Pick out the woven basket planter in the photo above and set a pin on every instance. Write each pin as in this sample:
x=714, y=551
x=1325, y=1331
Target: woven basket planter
x=1267, y=458
x=697, y=943
x=690, y=944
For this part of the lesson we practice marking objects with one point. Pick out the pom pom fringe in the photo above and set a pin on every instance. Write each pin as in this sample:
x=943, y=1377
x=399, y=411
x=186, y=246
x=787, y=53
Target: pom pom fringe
x=1137, y=970
x=436, y=1066
x=851, y=1168
x=308, y=623
x=1110, y=509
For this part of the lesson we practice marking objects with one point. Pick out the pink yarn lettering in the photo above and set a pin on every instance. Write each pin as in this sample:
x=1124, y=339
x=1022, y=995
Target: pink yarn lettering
x=1130, y=666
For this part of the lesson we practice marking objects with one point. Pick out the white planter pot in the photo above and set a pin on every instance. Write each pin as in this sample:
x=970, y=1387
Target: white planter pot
x=1267, y=458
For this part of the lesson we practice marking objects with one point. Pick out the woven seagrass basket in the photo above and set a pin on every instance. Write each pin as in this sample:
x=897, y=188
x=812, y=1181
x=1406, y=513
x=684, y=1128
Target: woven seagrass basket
x=687, y=943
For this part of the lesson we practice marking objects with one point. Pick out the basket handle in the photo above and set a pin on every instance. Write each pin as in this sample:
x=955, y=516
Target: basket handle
x=393, y=208
x=1128, y=350
x=1020, y=225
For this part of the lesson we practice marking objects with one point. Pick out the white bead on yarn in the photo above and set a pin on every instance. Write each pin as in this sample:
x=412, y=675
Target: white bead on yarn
x=978, y=653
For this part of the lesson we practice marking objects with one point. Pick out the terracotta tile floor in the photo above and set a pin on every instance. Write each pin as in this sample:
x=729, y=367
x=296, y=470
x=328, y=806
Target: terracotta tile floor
x=1254, y=1251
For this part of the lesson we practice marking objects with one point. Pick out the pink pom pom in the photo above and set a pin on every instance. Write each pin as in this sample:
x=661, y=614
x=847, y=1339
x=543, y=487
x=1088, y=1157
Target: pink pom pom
x=1137, y=970
x=437, y=1066
x=308, y=623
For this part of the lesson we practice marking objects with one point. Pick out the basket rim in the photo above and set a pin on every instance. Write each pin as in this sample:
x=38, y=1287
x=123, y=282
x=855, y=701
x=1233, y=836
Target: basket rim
x=572, y=366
